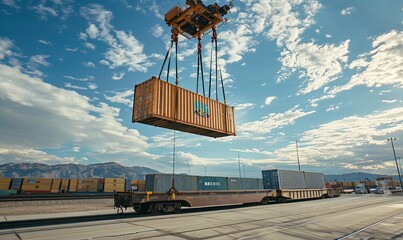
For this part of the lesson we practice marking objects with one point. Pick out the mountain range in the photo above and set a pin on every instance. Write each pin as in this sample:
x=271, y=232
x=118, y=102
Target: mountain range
x=101, y=170
x=115, y=170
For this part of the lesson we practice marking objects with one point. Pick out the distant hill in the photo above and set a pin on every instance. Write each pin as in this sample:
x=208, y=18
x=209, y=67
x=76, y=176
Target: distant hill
x=356, y=176
x=102, y=170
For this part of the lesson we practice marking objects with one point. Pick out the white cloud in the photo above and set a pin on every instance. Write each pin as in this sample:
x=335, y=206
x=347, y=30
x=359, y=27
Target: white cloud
x=53, y=117
x=333, y=108
x=45, y=9
x=44, y=42
x=84, y=79
x=125, y=97
x=328, y=36
x=92, y=86
x=269, y=100
x=157, y=31
x=89, y=64
x=272, y=121
x=347, y=11
x=5, y=48
x=32, y=155
x=243, y=106
x=69, y=85
x=89, y=45
x=382, y=66
x=391, y=101
x=284, y=21
x=253, y=150
x=321, y=64
x=124, y=49
x=10, y=3
x=351, y=140
x=118, y=76
x=39, y=60
x=71, y=49
x=194, y=160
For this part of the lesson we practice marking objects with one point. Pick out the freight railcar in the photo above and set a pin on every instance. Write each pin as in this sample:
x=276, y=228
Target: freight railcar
x=197, y=191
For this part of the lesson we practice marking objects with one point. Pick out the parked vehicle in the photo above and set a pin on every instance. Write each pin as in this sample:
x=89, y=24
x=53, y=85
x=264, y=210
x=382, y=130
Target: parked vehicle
x=360, y=190
x=378, y=190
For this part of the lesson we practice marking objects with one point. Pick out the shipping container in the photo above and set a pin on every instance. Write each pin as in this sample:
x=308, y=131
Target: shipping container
x=89, y=185
x=244, y=183
x=159, y=103
x=64, y=185
x=208, y=183
x=283, y=179
x=137, y=185
x=114, y=184
x=7, y=192
x=73, y=185
x=314, y=180
x=5, y=183
x=16, y=184
x=163, y=182
x=36, y=185
x=55, y=185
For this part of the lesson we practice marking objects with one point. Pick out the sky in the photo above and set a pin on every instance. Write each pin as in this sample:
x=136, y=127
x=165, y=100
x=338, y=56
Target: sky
x=328, y=74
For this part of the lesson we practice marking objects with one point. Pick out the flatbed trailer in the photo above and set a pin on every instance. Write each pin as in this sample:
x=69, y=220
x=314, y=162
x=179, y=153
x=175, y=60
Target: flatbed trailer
x=161, y=202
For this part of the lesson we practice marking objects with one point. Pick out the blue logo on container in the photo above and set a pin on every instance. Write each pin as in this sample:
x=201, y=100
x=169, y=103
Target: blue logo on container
x=201, y=109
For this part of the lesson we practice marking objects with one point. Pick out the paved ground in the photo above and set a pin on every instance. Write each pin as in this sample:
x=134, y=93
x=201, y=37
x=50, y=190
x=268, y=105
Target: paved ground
x=347, y=217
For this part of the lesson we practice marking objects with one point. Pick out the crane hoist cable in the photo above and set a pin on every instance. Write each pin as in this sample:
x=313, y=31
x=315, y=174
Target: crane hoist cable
x=200, y=66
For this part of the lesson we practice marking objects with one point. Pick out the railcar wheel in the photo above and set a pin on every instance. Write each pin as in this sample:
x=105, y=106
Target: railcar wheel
x=155, y=208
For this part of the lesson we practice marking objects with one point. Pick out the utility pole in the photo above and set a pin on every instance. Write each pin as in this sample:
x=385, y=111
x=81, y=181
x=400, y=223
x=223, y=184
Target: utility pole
x=205, y=172
x=296, y=144
x=239, y=164
x=397, y=166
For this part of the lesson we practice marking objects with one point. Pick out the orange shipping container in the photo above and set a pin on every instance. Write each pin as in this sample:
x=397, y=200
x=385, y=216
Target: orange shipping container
x=162, y=104
x=73, y=185
x=55, y=185
x=36, y=184
x=64, y=185
x=5, y=183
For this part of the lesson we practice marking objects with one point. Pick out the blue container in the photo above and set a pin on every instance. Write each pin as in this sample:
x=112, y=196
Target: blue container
x=16, y=184
x=7, y=192
x=212, y=183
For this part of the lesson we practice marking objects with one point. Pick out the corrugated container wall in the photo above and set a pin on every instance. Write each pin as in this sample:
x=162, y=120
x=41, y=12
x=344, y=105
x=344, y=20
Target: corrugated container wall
x=162, y=104
x=73, y=185
x=114, y=185
x=64, y=185
x=314, y=180
x=283, y=179
x=5, y=183
x=244, y=183
x=88, y=185
x=208, y=183
x=163, y=182
x=55, y=185
x=42, y=185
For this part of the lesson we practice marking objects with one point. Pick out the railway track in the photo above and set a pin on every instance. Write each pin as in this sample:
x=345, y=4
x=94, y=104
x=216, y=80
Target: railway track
x=46, y=197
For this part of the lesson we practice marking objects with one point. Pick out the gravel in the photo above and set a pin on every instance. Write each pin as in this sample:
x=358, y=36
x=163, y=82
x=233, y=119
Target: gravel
x=53, y=206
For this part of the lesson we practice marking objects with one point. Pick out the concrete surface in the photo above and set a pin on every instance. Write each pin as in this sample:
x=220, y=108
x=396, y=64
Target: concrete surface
x=353, y=216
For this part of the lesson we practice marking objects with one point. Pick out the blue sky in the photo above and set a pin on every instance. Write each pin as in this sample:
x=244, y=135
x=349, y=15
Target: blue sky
x=328, y=73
